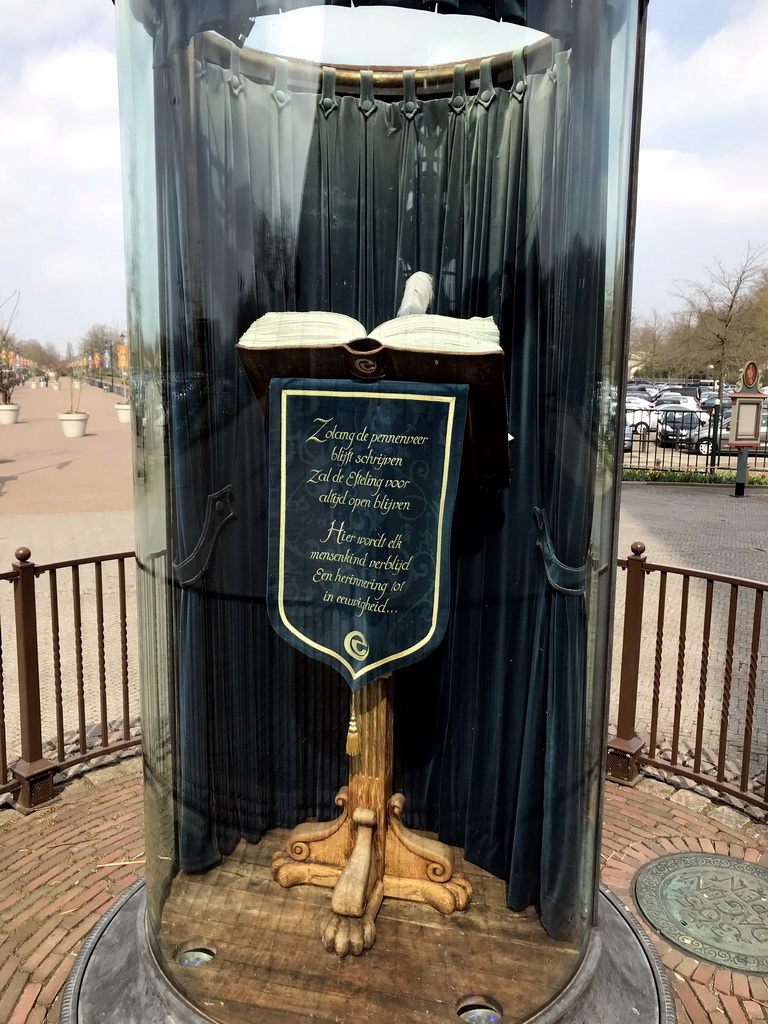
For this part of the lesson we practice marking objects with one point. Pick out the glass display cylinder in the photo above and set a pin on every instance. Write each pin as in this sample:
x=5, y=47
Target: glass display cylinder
x=312, y=160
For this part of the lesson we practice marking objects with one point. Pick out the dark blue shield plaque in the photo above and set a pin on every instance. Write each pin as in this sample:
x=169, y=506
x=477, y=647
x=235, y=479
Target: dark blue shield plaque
x=363, y=481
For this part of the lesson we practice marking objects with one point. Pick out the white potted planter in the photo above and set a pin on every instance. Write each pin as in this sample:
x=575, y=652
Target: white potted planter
x=123, y=410
x=9, y=414
x=73, y=424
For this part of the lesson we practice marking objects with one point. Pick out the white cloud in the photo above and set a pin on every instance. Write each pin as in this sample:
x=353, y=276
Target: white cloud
x=729, y=190
x=692, y=209
x=722, y=76
x=61, y=246
x=703, y=187
x=31, y=27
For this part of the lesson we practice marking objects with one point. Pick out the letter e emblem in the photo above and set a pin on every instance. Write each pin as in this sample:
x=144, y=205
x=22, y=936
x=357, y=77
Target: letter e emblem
x=356, y=645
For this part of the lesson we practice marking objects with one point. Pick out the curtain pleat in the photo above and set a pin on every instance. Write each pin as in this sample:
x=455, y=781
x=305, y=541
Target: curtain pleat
x=330, y=202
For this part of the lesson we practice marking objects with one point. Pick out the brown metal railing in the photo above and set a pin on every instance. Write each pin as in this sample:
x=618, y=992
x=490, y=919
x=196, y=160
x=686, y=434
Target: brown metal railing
x=692, y=667
x=85, y=667
x=692, y=696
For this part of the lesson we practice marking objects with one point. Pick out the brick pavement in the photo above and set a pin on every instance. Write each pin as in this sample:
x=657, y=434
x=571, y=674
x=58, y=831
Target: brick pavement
x=64, y=865
x=650, y=821
x=61, y=868
x=699, y=526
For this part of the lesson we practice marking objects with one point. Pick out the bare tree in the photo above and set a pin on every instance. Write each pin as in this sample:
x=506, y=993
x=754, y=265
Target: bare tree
x=648, y=339
x=97, y=338
x=721, y=309
x=45, y=357
x=9, y=308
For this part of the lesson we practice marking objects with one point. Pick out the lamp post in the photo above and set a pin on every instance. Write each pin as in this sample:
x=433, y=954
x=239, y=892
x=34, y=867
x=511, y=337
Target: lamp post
x=714, y=422
x=717, y=415
x=111, y=362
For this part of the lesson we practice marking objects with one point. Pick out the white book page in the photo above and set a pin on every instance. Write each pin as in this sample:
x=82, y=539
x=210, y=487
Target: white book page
x=287, y=330
x=440, y=333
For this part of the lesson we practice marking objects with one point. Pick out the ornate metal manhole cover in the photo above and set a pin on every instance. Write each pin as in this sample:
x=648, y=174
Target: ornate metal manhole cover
x=714, y=907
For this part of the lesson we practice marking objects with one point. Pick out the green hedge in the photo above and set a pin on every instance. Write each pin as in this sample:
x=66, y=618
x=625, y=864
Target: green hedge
x=690, y=476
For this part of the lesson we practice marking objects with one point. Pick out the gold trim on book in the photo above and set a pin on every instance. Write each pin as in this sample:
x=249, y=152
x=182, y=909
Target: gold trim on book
x=322, y=393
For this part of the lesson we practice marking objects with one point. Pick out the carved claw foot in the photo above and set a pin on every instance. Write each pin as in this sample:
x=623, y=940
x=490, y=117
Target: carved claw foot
x=462, y=888
x=450, y=896
x=343, y=935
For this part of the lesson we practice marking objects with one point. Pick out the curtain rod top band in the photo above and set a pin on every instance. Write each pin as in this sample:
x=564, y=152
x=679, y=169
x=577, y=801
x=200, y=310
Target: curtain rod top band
x=505, y=68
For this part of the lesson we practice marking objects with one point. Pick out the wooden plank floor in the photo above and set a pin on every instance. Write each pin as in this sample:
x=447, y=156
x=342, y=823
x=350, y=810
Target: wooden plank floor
x=271, y=965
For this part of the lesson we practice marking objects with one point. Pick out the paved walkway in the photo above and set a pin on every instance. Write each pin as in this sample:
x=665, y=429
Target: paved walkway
x=697, y=526
x=43, y=472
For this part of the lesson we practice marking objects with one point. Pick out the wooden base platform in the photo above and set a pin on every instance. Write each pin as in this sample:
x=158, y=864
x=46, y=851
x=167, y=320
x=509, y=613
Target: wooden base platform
x=271, y=966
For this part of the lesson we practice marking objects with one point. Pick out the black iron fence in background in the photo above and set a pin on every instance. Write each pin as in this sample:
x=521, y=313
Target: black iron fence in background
x=683, y=441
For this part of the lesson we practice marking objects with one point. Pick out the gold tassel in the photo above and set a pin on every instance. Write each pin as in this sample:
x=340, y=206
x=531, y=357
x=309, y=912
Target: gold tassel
x=353, y=737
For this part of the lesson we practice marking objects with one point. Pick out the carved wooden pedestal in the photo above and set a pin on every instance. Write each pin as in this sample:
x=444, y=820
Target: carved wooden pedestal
x=367, y=853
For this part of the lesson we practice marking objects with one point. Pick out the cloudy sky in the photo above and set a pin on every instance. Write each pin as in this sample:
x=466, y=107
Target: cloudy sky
x=703, y=181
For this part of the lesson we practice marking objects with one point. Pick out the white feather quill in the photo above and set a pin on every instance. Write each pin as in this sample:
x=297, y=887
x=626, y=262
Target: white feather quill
x=417, y=294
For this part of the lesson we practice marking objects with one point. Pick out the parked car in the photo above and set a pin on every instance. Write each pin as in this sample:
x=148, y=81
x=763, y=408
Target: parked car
x=670, y=401
x=677, y=425
x=709, y=402
x=700, y=439
x=692, y=391
x=641, y=420
x=642, y=390
x=627, y=436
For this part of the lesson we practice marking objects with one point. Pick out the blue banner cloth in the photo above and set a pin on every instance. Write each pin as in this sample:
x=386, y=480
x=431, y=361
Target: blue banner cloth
x=363, y=480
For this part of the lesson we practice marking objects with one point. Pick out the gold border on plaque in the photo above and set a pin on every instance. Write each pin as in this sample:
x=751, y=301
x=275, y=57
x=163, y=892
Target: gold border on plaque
x=379, y=397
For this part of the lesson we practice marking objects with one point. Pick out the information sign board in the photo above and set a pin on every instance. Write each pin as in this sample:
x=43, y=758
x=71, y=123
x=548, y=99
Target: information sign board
x=748, y=405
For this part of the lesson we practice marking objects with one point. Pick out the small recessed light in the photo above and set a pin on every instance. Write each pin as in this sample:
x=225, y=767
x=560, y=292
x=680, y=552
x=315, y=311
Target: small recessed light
x=479, y=1010
x=194, y=954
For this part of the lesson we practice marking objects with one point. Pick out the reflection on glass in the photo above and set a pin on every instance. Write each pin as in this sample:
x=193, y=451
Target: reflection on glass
x=291, y=173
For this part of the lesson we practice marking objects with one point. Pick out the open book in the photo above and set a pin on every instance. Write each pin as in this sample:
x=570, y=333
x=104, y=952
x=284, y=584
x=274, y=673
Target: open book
x=421, y=347
x=422, y=331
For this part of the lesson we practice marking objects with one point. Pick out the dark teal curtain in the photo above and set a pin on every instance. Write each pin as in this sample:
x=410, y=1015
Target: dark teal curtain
x=274, y=200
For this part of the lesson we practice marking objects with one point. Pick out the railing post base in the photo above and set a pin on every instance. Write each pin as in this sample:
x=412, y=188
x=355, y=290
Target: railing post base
x=622, y=765
x=35, y=781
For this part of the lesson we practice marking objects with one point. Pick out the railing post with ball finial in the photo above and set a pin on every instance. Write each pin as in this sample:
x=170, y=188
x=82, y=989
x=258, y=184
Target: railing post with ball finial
x=32, y=771
x=623, y=748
